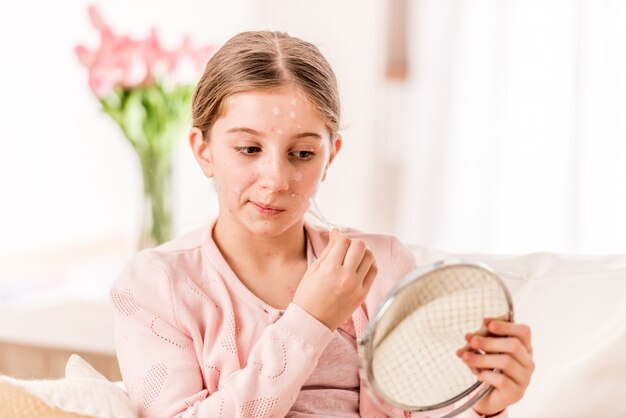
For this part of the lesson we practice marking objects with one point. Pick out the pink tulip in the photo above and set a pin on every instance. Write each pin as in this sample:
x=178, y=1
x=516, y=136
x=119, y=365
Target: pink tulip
x=186, y=63
x=119, y=61
x=123, y=62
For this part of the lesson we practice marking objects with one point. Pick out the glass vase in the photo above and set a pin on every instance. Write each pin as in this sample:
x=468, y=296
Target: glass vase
x=156, y=223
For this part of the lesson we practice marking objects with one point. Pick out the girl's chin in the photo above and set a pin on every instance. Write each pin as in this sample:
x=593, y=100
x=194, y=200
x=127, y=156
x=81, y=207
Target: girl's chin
x=263, y=224
x=273, y=226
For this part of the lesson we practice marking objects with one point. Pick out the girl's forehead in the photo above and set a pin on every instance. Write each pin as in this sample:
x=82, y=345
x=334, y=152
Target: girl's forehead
x=288, y=102
x=290, y=96
x=286, y=112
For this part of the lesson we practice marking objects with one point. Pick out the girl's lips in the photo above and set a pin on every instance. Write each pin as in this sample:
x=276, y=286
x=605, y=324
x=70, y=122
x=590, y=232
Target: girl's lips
x=267, y=210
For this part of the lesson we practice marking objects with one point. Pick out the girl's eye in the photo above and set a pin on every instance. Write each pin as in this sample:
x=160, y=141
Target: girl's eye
x=303, y=155
x=247, y=150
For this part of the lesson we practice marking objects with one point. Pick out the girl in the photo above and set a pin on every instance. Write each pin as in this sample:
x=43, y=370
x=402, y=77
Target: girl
x=257, y=314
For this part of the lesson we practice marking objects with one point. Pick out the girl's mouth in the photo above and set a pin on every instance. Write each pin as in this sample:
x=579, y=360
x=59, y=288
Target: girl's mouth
x=266, y=209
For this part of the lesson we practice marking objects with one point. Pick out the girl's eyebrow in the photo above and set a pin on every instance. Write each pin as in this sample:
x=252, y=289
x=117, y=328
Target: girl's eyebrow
x=259, y=134
x=308, y=135
x=245, y=130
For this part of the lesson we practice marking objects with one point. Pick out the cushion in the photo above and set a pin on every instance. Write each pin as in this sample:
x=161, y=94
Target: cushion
x=83, y=392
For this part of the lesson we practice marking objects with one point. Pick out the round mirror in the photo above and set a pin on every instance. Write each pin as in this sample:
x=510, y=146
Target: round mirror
x=408, y=353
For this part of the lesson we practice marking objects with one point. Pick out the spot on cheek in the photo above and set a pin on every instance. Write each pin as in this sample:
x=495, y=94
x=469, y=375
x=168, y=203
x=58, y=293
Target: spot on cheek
x=297, y=176
x=276, y=111
x=292, y=114
x=280, y=131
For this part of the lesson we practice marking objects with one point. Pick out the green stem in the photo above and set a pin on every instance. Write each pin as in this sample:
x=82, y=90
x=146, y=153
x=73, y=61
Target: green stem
x=157, y=177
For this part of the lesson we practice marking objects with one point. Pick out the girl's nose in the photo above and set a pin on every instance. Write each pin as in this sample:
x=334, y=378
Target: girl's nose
x=274, y=174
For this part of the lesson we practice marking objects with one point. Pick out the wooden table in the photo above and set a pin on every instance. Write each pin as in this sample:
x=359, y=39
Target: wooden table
x=36, y=342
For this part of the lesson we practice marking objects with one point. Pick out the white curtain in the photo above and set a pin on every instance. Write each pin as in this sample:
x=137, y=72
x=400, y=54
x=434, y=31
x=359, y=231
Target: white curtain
x=513, y=136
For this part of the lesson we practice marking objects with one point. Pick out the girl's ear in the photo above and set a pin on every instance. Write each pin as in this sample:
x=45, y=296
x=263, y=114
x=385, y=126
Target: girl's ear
x=334, y=149
x=201, y=151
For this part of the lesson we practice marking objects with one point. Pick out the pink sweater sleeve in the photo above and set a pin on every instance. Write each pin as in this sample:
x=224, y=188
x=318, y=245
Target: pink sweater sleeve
x=159, y=359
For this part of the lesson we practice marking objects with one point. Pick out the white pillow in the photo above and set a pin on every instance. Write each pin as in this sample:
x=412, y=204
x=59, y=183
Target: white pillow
x=83, y=391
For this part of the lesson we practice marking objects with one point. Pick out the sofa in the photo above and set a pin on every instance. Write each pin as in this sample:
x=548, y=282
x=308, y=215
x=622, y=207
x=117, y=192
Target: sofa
x=575, y=306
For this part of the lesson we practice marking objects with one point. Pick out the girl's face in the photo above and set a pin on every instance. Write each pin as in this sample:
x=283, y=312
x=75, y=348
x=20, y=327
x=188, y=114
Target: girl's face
x=267, y=155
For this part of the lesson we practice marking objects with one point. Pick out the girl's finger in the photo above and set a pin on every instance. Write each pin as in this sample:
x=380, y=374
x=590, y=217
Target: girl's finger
x=464, y=349
x=368, y=280
x=331, y=240
x=366, y=263
x=502, y=383
x=354, y=255
x=337, y=253
x=510, y=329
x=509, y=345
x=324, y=254
x=506, y=363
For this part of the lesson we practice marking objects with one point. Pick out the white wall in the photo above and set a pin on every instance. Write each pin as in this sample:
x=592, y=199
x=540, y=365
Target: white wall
x=514, y=127
x=67, y=175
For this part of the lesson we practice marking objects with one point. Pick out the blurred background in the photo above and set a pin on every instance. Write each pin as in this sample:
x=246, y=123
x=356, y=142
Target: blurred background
x=493, y=126
x=469, y=126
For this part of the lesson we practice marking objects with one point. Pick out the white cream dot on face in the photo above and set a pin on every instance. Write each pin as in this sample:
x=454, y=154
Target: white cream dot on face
x=297, y=176
x=292, y=114
x=276, y=111
x=280, y=131
x=298, y=126
x=294, y=102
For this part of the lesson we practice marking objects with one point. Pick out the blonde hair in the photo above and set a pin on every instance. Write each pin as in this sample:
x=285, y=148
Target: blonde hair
x=263, y=60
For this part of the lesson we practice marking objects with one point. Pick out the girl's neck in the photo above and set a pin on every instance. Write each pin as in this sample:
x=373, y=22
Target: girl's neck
x=239, y=244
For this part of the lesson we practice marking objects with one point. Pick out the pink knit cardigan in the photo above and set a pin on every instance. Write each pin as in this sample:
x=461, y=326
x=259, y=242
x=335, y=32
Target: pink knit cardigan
x=193, y=341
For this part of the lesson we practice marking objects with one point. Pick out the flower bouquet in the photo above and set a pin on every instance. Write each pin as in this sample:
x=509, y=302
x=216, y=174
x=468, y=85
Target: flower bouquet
x=147, y=91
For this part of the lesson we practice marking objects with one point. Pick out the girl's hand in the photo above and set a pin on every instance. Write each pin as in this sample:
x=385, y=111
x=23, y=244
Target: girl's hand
x=338, y=281
x=507, y=348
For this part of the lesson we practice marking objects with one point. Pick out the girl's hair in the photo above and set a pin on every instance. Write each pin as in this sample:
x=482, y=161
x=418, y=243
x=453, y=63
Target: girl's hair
x=261, y=60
